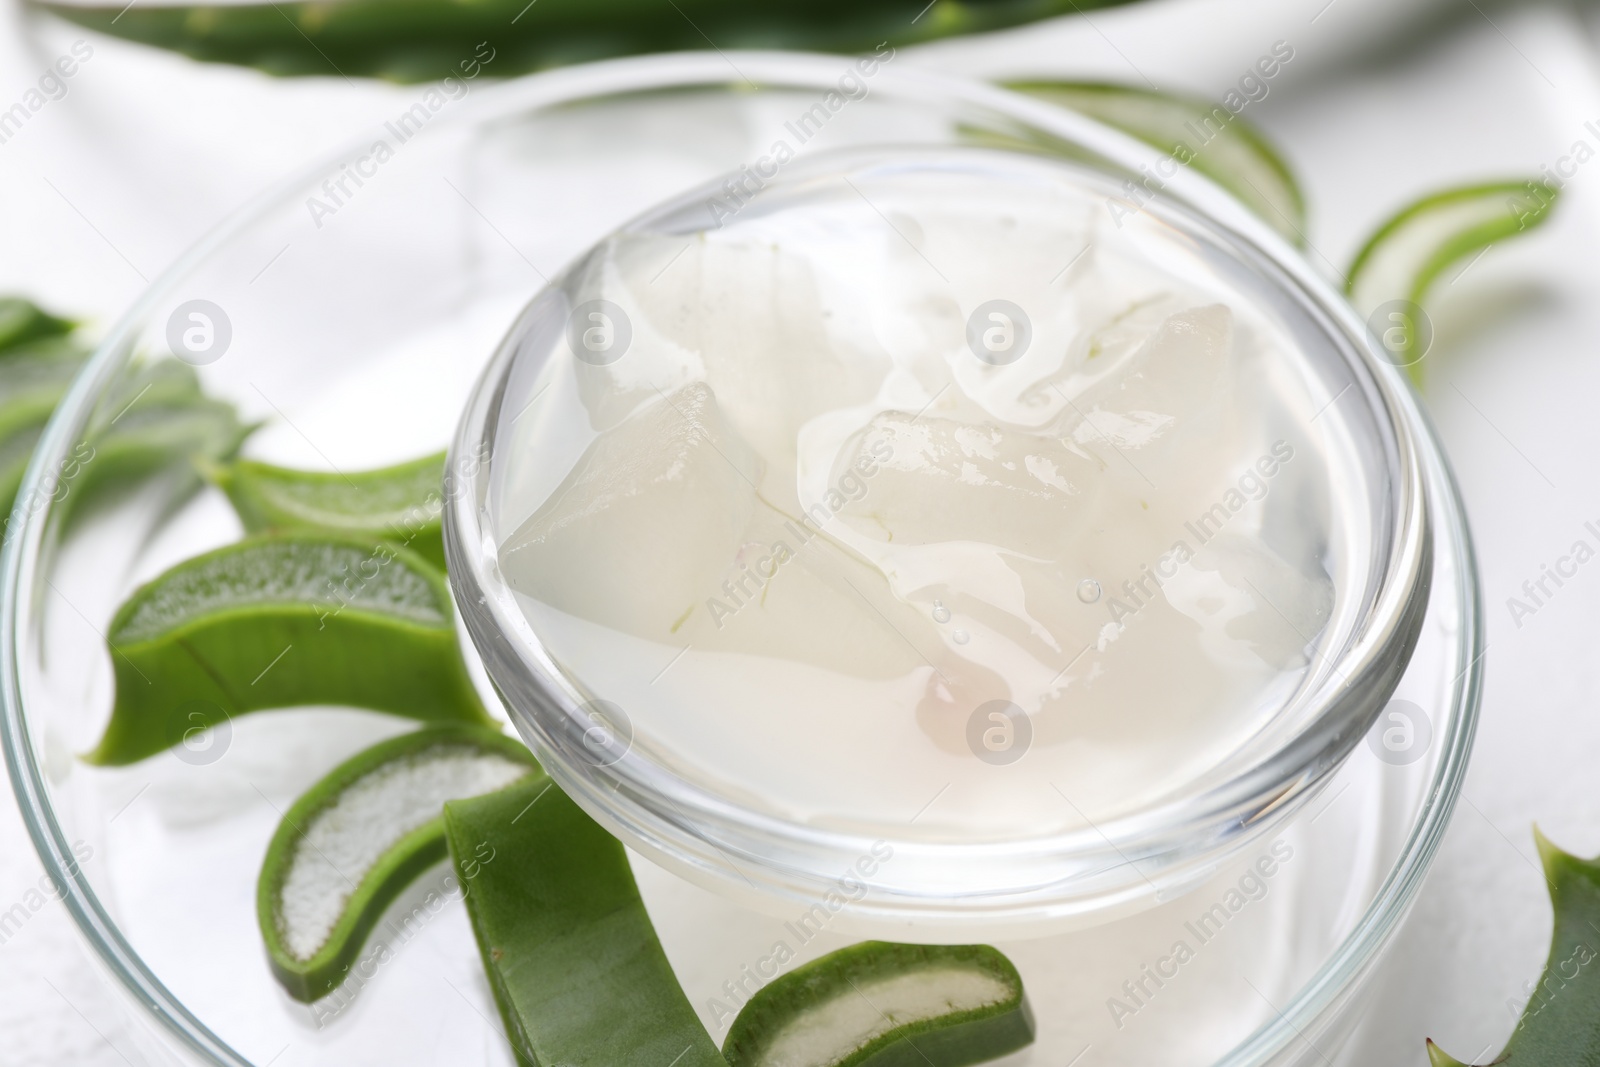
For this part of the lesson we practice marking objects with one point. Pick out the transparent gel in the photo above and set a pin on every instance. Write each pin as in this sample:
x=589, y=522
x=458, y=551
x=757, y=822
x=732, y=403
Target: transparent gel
x=918, y=488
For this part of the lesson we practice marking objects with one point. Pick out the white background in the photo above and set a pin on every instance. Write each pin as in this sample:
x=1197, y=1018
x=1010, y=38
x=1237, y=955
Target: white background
x=1384, y=101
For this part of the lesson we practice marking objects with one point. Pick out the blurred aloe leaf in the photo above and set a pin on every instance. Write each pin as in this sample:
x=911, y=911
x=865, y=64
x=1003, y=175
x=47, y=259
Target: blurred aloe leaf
x=1560, y=1025
x=1197, y=132
x=160, y=421
x=38, y=360
x=156, y=417
x=1394, y=271
x=424, y=40
x=23, y=320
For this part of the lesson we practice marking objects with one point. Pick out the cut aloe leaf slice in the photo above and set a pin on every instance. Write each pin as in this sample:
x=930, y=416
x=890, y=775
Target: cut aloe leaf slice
x=1558, y=1025
x=357, y=838
x=401, y=504
x=22, y=320
x=883, y=1004
x=280, y=621
x=574, y=963
x=1399, y=264
x=1219, y=144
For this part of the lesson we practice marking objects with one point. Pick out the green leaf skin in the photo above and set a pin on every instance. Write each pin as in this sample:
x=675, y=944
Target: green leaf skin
x=571, y=955
x=1408, y=253
x=1238, y=157
x=155, y=419
x=207, y=640
x=150, y=438
x=1560, y=1027
x=426, y=40
x=400, y=504
x=16, y=448
x=377, y=886
x=957, y=1038
x=38, y=360
x=22, y=321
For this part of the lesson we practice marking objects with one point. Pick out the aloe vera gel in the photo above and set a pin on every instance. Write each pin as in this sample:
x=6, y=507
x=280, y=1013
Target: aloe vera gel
x=921, y=475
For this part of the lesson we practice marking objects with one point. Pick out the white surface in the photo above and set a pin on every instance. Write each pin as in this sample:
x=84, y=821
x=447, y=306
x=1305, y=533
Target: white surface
x=100, y=190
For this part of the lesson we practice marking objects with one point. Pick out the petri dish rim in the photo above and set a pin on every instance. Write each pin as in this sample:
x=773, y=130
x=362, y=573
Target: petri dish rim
x=20, y=556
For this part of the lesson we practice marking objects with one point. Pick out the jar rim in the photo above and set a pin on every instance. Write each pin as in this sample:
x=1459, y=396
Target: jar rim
x=1130, y=860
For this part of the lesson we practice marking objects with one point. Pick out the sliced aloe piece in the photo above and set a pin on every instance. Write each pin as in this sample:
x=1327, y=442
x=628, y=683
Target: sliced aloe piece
x=574, y=963
x=1560, y=1021
x=1399, y=264
x=883, y=1004
x=358, y=837
x=1201, y=133
x=22, y=321
x=402, y=504
x=281, y=621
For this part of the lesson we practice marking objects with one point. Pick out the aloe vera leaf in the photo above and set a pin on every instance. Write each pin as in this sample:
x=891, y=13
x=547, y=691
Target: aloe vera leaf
x=157, y=381
x=1402, y=260
x=155, y=437
x=356, y=839
x=401, y=504
x=571, y=956
x=420, y=40
x=1219, y=144
x=1560, y=1025
x=155, y=418
x=156, y=421
x=34, y=375
x=884, y=1004
x=280, y=621
x=22, y=320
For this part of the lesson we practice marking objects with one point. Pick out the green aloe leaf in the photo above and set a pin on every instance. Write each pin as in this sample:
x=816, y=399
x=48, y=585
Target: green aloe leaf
x=353, y=841
x=1560, y=1026
x=38, y=360
x=155, y=419
x=423, y=40
x=401, y=504
x=281, y=621
x=1393, y=273
x=150, y=437
x=22, y=321
x=570, y=953
x=1199, y=133
x=883, y=1004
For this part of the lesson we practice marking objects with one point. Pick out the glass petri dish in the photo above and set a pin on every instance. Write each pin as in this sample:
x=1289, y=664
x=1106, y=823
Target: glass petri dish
x=361, y=325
